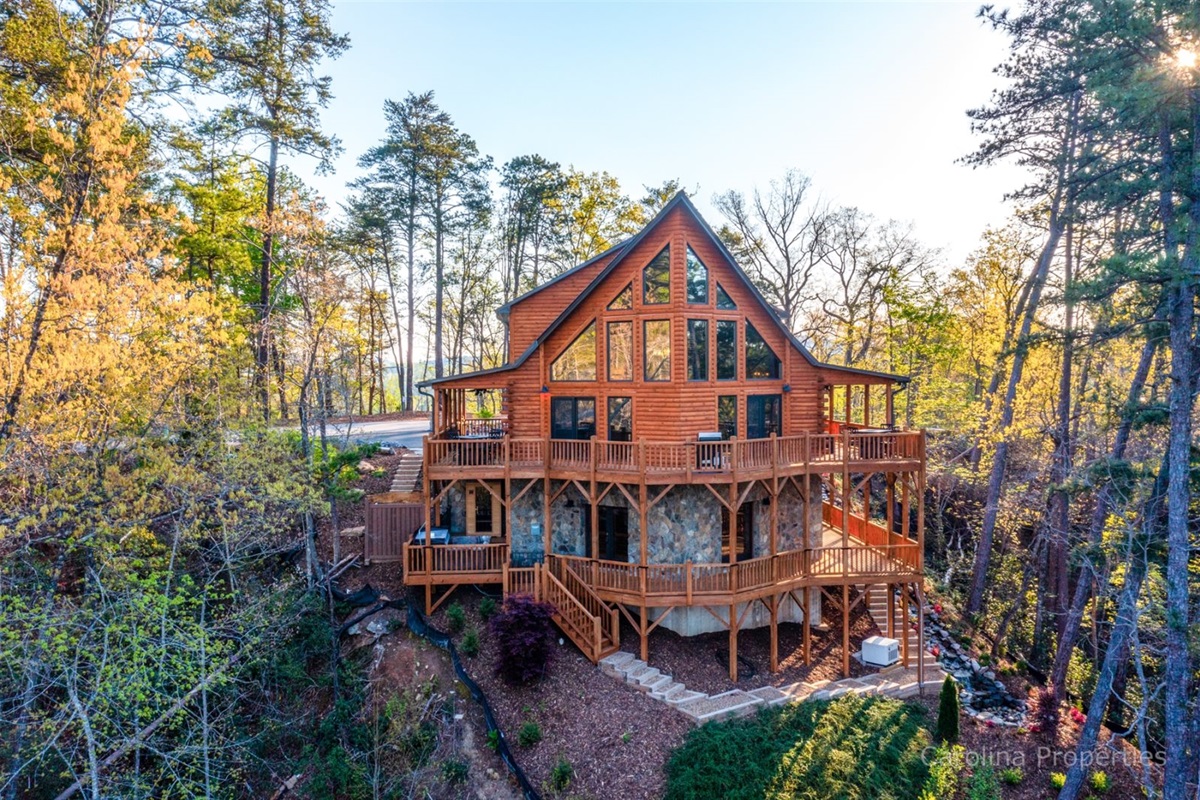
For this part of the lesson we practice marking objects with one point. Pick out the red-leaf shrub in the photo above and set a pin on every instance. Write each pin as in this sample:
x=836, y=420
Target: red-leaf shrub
x=1045, y=710
x=524, y=631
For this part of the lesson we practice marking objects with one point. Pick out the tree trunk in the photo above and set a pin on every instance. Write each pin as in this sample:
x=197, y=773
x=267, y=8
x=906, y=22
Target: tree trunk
x=1059, y=511
x=262, y=350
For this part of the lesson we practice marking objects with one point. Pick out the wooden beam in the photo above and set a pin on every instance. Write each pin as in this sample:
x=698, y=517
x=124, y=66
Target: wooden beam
x=846, y=630
x=733, y=634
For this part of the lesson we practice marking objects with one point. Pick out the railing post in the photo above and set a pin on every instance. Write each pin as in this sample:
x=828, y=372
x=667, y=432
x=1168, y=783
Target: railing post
x=687, y=566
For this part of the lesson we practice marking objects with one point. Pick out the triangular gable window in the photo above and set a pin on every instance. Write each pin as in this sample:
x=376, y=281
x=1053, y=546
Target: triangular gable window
x=761, y=361
x=578, y=361
x=724, y=301
x=697, y=279
x=656, y=279
x=624, y=300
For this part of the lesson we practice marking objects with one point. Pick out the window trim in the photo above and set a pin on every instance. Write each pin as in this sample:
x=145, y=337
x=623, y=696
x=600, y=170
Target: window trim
x=717, y=349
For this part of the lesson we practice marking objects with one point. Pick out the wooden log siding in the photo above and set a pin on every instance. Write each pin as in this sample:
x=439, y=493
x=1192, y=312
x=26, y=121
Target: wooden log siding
x=389, y=527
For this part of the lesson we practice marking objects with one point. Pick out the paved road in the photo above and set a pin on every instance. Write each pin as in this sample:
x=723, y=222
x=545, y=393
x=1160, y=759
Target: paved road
x=398, y=432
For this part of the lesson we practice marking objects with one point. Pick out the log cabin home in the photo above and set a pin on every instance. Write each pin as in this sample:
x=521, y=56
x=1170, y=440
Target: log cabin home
x=666, y=451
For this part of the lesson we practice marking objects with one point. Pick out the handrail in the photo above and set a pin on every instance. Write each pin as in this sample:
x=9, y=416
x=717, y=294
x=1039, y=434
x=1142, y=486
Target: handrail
x=571, y=612
x=674, y=458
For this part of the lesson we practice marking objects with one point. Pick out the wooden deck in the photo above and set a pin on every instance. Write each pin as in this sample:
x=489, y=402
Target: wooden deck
x=491, y=457
x=887, y=560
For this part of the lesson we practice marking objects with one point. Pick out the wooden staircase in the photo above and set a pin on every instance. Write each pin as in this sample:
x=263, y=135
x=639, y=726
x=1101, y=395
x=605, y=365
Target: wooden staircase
x=579, y=612
x=407, y=477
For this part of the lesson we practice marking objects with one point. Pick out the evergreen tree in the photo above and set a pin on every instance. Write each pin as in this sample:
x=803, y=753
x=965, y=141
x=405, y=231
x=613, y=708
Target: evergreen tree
x=947, y=721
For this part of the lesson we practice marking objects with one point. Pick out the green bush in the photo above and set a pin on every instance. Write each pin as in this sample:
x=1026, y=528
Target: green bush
x=947, y=721
x=1057, y=780
x=1100, y=782
x=1012, y=776
x=456, y=617
x=529, y=734
x=945, y=769
x=853, y=747
x=493, y=739
x=561, y=774
x=487, y=608
x=454, y=772
x=469, y=646
x=983, y=785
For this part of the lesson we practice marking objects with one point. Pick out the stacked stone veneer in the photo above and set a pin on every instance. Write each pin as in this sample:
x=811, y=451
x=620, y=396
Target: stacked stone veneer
x=685, y=525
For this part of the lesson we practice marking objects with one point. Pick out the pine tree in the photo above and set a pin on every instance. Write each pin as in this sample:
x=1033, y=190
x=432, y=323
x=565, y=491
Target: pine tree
x=947, y=722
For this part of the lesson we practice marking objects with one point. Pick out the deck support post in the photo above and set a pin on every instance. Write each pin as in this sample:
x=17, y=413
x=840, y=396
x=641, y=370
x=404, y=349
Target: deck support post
x=733, y=636
x=891, y=611
x=904, y=623
x=920, y=637
x=642, y=629
x=845, y=630
x=806, y=593
x=774, y=608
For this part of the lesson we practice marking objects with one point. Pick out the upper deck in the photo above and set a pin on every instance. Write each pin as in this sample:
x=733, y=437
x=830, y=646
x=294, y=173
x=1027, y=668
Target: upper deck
x=493, y=455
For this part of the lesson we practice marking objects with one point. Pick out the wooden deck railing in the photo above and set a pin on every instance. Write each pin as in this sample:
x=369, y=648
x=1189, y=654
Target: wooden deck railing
x=806, y=452
x=469, y=562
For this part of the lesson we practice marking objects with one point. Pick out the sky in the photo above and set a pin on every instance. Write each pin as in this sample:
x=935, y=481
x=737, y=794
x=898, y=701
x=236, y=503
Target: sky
x=868, y=99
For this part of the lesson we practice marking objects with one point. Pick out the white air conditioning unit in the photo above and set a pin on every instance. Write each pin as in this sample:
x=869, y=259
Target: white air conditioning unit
x=879, y=651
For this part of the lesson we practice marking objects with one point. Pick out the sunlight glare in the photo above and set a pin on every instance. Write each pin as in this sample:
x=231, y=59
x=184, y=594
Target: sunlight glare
x=1186, y=59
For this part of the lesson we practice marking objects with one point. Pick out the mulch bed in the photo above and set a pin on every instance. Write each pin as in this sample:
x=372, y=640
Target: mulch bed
x=1040, y=754
x=615, y=738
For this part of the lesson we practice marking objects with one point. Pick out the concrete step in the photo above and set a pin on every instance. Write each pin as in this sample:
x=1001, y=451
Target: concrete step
x=667, y=690
x=642, y=676
x=726, y=705
x=610, y=665
x=683, y=696
x=770, y=695
x=655, y=684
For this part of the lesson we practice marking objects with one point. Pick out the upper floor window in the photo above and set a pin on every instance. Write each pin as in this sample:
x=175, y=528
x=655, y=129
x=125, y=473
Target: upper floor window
x=697, y=279
x=656, y=279
x=761, y=361
x=624, y=300
x=578, y=361
x=724, y=301
x=727, y=350
x=697, y=350
x=656, y=346
x=620, y=351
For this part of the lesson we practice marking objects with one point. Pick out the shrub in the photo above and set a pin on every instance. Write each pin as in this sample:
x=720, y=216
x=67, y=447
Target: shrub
x=1045, y=710
x=469, y=646
x=454, y=772
x=1012, y=776
x=945, y=769
x=487, y=608
x=947, y=721
x=529, y=734
x=493, y=739
x=983, y=785
x=456, y=617
x=1057, y=780
x=1100, y=782
x=524, y=634
x=561, y=774
x=852, y=747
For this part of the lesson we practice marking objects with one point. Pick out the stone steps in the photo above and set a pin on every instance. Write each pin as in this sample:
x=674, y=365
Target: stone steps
x=734, y=703
x=407, y=477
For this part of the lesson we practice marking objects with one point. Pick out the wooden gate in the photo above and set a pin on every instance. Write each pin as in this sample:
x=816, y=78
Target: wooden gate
x=389, y=526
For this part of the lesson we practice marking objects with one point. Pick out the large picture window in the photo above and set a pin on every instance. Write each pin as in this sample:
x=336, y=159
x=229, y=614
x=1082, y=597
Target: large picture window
x=764, y=415
x=761, y=361
x=697, y=350
x=656, y=279
x=697, y=279
x=573, y=417
x=620, y=419
x=620, y=351
x=578, y=361
x=727, y=350
x=656, y=349
x=727, y=415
